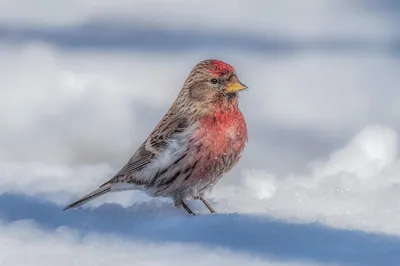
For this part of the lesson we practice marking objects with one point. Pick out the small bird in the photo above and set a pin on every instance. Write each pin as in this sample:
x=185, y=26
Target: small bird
x=200, y=138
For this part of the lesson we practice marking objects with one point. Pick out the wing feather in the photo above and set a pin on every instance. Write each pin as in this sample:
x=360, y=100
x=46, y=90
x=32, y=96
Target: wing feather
x=155, y=144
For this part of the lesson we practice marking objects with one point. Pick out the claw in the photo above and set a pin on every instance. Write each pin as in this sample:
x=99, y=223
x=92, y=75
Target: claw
x=208, y=205
x=179, y=202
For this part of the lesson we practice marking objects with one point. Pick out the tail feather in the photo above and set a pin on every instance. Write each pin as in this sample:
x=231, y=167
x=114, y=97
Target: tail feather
x=97, y=193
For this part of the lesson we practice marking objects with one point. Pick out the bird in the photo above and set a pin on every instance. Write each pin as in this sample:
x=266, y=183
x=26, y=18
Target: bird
x=199, y=140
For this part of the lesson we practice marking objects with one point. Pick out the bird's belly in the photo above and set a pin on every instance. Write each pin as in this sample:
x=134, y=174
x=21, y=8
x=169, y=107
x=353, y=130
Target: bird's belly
x=213, y=150
x=216, y=159
x=220, y=148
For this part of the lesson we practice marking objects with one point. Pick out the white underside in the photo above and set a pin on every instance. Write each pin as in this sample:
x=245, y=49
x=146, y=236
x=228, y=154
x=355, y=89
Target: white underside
x=176, y=147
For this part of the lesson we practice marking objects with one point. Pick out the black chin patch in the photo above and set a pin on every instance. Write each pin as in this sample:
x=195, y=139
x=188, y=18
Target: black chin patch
x=230, y=95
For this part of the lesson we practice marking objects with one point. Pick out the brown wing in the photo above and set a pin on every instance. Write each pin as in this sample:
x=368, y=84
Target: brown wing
x=155, y=144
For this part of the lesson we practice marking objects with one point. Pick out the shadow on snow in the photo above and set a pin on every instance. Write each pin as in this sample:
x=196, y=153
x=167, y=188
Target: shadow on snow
x=258, y=235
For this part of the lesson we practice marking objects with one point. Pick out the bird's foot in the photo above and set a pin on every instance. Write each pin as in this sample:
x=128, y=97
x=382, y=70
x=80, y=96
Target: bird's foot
x=179, y=202
x=208, y=205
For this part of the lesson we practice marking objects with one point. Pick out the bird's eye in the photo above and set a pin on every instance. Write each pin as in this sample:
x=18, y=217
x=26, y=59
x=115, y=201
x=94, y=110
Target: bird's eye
x=214, y=81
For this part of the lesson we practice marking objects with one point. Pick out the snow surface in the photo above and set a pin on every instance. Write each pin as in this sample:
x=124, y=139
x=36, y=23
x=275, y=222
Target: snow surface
x=84, y=84
x=316, y=18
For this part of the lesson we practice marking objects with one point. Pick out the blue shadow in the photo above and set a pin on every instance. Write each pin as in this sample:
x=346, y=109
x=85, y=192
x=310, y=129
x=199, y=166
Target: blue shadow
x=256, y=235
x=108, y=35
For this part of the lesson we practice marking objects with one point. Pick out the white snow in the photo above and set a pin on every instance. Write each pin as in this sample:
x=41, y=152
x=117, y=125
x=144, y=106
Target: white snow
x=355, y=188
x=327, y=18
x=23, y=243
x=318, y=183
x=61, y=156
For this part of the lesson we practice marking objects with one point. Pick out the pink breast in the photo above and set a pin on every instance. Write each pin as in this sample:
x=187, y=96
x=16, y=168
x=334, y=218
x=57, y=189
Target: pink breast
x=223, y=132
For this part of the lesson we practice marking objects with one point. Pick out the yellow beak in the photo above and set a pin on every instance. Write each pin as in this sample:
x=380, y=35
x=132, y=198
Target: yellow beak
x=235, y=87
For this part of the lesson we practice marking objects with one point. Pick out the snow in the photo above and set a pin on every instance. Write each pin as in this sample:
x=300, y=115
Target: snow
x=318, y=183
x=355, y=188
x=338, y=18
x=24, y=243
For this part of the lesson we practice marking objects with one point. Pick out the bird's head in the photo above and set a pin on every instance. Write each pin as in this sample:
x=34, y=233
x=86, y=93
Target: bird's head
x=212, y=79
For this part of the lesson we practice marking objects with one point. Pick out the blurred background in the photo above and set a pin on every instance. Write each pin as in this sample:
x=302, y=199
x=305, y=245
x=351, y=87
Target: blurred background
x=83, y=82
x=78, y=77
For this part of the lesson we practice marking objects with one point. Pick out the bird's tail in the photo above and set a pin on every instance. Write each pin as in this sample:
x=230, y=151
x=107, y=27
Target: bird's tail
x=97, y=193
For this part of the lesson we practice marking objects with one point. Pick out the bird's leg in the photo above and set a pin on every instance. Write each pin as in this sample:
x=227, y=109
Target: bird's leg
x=208, y=205
x=184, y=205
x=180, y=202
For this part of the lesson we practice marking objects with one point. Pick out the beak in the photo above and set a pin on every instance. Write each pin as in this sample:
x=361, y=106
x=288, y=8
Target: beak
x=235, y=87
